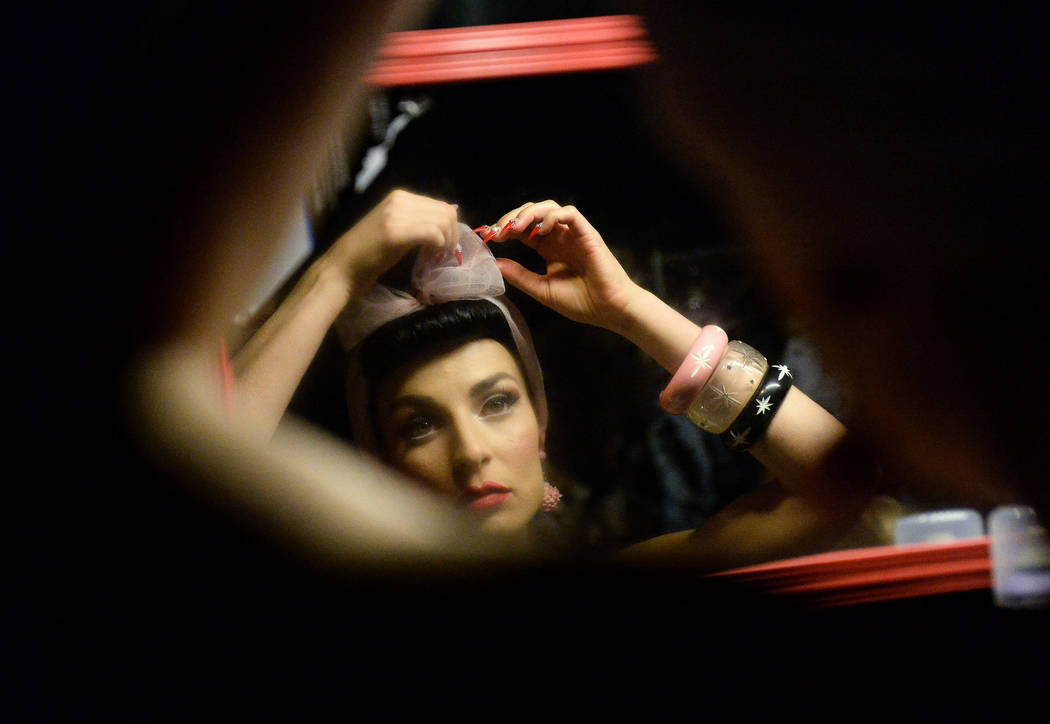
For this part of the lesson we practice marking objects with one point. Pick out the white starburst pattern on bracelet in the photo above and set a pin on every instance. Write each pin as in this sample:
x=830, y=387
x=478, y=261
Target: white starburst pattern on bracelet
x=736, y=440
x=703, y=358
x=764, y=404
x=750, y=358
x=724, y=396
x=783, y=371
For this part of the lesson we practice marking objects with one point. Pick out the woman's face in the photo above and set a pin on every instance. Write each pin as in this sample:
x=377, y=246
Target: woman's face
x=464, y=424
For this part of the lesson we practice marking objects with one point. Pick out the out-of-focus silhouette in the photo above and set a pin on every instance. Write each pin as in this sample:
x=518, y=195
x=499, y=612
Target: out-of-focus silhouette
x=888, y=176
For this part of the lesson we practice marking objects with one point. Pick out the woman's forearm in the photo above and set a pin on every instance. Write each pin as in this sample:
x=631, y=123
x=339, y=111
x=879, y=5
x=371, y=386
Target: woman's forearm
x=766, y=524
x=822, y=481
x=812, y=453
x=270, y=366
x=805, y=446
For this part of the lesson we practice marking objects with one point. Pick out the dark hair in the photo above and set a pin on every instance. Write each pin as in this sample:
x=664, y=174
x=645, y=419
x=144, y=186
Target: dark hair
x=428, y=333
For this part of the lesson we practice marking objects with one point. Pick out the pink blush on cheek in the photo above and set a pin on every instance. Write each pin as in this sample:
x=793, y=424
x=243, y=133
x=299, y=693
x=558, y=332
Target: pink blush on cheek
x=527, y=446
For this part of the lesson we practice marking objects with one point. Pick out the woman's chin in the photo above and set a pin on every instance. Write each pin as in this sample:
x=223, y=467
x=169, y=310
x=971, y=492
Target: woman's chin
x=504, y=525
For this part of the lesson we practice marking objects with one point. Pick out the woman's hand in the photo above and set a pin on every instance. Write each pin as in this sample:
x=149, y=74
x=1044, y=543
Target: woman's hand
x=399, y=223
x=584, y=282
x=270, y=366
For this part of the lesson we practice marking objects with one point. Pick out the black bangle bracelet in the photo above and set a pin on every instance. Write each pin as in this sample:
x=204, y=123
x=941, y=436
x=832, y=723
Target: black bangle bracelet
x=752, y=422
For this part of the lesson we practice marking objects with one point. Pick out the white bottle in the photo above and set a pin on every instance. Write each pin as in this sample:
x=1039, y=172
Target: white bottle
x=1020, y=558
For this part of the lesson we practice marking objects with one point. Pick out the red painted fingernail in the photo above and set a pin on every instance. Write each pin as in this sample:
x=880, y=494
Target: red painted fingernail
x=488, y=236
x=459, y=256
x=480, y=229
x=533, y=233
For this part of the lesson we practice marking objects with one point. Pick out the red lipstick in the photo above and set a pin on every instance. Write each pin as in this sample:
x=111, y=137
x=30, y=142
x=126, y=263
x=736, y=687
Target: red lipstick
x=484, y=496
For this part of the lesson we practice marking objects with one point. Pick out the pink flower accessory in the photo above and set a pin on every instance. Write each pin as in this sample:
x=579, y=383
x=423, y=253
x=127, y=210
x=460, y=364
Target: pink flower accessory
x=467, y=271
x=551, y=497
x=695, y=370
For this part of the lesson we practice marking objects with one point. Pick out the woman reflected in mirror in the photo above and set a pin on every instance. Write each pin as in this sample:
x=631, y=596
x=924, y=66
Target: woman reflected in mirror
x=444, y=385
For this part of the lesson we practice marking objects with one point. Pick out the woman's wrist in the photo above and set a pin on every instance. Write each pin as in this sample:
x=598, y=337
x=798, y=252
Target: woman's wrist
x=327, y=287
x=655, y=328
x=631, y=314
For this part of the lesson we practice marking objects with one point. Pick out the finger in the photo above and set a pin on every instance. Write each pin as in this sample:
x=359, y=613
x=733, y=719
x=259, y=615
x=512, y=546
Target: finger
x=438, y=212
x=518, y=227
x=424, y=236
x=452, y=214
x=445, y=217
x=511, y=223
x=407, y=210
x=490, y=232
x=552, y=217
x=527, y=281
x=431, y=234
x=536, y=212
x=542, y=227
x=567, y=217
x=517, y=222
x=510, y=216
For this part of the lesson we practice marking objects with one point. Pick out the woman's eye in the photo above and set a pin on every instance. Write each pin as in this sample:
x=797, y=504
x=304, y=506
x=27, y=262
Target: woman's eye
x=498, y=403
x=415, y=428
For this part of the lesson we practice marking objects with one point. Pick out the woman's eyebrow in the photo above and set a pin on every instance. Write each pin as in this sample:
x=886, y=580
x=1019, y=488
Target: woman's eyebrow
x=413, y=401
x=479, y=388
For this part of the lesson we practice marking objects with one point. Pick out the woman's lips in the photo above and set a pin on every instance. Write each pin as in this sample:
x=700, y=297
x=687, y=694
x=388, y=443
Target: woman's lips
x=484, y=496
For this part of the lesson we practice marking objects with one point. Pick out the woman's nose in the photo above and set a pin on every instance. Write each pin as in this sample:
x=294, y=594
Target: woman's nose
x=469, y=452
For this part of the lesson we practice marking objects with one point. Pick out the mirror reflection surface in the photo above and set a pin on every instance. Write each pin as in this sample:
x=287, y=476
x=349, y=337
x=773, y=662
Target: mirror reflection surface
x=444, y=390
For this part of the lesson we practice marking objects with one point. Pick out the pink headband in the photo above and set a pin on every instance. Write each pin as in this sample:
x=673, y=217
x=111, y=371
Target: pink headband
x=467, y=272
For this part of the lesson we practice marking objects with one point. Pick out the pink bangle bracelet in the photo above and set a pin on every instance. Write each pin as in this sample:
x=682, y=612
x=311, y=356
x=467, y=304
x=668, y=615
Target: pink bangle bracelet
x=694, y=372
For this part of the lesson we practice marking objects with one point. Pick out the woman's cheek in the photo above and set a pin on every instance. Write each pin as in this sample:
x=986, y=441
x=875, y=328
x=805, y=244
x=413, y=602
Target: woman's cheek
x=525, y=439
